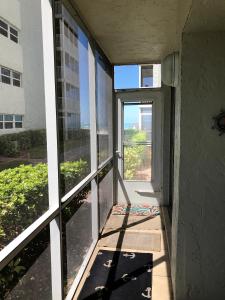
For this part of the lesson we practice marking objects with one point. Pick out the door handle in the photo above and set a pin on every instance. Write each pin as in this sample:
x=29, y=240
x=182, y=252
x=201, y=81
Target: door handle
x=119, y=154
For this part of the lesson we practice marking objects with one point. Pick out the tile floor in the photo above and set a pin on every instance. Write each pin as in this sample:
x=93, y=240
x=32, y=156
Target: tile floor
x=116, y=235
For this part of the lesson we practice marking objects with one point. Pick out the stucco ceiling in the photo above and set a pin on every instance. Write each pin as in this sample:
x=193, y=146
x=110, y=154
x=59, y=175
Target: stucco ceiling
x=145, y=31
x=133, y=31
x=206, y=15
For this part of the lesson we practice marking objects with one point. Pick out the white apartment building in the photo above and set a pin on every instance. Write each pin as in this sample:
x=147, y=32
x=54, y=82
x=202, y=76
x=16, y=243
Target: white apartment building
x=22, y=104
x=22, y=99
x=150, y=76
x=145, y=119
x=67, y=66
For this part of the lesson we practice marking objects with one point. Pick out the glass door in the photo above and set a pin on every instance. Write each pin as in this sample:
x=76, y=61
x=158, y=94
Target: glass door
x=139, y=147
x=137, y=141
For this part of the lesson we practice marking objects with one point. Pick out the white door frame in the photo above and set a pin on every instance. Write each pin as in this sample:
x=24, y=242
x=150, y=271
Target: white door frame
x=130, y=192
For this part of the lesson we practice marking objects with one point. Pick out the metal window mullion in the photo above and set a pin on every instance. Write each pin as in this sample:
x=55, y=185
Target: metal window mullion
x=81, y=271
x=105, y=163
x=119, y=151
x=13, y=248
x=52, y=148
x=94, y=155
x=114, y=144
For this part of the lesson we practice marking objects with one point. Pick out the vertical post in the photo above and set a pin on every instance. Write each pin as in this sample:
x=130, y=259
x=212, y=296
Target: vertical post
x=114, y=127
x=93, y=123
x=140, y=118
x=119, y=161
x=157, y=124
x=52, y=149
x=140, y=76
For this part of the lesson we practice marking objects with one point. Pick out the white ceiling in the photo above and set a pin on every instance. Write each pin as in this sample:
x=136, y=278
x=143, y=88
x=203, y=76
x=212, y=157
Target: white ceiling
x=132, y=31
x=145, y=31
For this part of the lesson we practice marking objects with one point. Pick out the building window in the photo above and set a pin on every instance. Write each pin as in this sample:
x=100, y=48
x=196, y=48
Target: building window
x=5, y=75
x=10, y=77
x=73, y=37
x=150, y=76
x=11, y=121
x=147, y=76
x=1, y=121
x=18, y=121
x=8, y=31
x=66, y=29
x=3, y=28
x=8, y=121
x=70, y=34
x=16, y=79
x=13, y=35
x=72, y=92
x=71, y=63
x=67, y=60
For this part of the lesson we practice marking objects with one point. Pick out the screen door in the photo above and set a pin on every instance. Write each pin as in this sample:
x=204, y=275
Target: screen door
x=139, y=147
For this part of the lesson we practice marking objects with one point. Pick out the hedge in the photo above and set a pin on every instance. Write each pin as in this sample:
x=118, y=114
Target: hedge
x=24, y=194
x=12, y=144
x=133, y=153
x=133, y=156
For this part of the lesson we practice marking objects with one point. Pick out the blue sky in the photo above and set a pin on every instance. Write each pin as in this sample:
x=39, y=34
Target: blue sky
x=124, y=77
x=127, y=77
x=84, y=80
x=131, y=115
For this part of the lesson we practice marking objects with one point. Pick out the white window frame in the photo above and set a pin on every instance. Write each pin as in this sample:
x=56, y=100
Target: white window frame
x=16, y=79
x=9, y=33
x=13, y=121
x=11, y=76
x=4, y=29
x=20, y=122
x=156, y=76
x=142, y=77
x=6, y=76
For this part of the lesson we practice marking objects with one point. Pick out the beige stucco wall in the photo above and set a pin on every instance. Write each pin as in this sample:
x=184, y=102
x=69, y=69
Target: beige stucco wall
x=25, y=57
x=11, y=54
x=11, y=99
x=10, y=11
x=198, y=260
x=33, y=69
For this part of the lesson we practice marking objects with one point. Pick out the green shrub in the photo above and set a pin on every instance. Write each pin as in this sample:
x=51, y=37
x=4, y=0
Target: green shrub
x=38, y=137
x=23, y=198
x=138, y=137
x=78, y=133
x=12, y=144
x=23, y=139
x=24, y=195
x=135, y=135
x=133, y=154
x=8, y=147
x=71, y=173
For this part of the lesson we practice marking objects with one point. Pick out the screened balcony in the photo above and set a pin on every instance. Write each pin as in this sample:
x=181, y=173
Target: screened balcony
x=59, y=169
x=89, y=168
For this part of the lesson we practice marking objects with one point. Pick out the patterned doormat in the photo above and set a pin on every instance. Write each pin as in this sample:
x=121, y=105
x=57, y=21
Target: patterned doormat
x=117, y=275
x=136, y=210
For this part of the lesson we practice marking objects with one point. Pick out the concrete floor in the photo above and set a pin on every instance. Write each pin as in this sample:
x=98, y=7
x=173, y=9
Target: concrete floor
x=125, y=233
